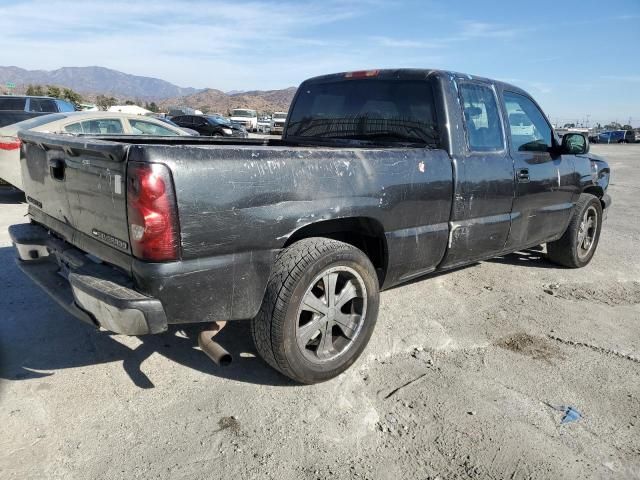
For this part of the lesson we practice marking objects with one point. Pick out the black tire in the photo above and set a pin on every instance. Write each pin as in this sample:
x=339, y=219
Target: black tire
x=276, y=329
x=568, y=250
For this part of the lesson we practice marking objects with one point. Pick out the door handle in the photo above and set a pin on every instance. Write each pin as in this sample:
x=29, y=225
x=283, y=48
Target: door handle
x=57, y=168
x=523, y=175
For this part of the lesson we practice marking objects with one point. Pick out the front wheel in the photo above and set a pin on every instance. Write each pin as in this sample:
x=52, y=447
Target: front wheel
x=319, y=310
x=576, y=247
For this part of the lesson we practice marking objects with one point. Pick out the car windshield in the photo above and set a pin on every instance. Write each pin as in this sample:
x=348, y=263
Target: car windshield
x=243, y=113
x=374, y=110
x=279, y=116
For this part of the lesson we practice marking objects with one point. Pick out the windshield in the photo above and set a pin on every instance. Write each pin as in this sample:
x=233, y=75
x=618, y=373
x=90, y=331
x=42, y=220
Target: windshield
x=244, y=113
x=279, y=116
x=397, y=111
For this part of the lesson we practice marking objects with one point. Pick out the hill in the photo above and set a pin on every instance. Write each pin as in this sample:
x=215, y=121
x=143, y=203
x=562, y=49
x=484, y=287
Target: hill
x=216, y=101
x=92, y=80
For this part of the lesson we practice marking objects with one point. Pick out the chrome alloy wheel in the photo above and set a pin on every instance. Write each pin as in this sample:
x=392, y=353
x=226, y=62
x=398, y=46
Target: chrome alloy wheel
x=587, y=231
x=331, y=314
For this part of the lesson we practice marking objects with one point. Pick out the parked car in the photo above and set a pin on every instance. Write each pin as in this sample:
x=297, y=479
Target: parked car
x=616, y=136
x=277, y=122
x=14, y=109
x=210, y=125
x=190, y=131
x=264, y=124
x=245, y=117
x=404, y=173
x=95, y=123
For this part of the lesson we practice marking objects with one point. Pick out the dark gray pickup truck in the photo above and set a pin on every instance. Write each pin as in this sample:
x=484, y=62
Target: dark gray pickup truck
x=381, y=177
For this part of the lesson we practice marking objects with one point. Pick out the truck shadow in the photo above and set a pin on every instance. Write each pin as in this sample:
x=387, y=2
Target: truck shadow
x=531, y=257
x=10, y=195
x=37, y=338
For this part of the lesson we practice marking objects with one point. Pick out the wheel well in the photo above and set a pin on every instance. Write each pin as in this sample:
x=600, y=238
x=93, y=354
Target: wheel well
x=364, y=233
x=596, y=191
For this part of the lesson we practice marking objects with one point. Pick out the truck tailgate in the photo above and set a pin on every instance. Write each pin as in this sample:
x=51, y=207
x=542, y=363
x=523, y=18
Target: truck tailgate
x=79, y=182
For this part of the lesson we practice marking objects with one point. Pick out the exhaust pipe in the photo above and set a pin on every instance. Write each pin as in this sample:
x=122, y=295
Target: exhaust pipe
x=213, y=349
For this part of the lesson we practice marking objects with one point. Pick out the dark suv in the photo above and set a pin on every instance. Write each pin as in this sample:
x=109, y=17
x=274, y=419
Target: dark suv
x=210, y=125
x=15, y=109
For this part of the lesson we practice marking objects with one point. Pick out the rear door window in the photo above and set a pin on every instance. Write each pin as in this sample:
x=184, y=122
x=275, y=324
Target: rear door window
x=530, y=131
x=481, y=117
x=43, y=105
x=182, y=120
x=11, y=103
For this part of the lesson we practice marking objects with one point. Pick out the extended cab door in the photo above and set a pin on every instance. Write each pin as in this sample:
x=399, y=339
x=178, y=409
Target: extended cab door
x=483, y=176
x=545, y=182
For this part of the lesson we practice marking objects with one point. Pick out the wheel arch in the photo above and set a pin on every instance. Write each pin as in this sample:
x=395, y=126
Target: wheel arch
x=364, y=233
x=596, y=191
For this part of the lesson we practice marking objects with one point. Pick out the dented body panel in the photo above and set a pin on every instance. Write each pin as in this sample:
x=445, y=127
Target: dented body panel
x=239, y=203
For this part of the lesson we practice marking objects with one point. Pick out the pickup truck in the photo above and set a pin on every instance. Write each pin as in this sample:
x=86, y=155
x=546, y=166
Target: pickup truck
x=380, y=177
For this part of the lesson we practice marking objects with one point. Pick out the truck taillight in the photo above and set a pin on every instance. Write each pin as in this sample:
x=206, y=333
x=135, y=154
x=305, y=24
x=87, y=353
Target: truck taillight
x=152, y=212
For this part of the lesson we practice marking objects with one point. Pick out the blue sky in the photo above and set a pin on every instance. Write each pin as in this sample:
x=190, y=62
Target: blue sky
x=577, y=58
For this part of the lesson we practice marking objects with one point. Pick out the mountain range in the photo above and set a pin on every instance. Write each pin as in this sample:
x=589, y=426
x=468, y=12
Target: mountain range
x=92, y=81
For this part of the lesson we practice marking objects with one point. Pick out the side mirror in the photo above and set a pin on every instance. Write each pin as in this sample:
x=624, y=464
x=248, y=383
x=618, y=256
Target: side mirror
x=574, y=144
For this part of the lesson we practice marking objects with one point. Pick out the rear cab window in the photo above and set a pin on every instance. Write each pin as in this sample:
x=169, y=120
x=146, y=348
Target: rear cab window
x=381, y=110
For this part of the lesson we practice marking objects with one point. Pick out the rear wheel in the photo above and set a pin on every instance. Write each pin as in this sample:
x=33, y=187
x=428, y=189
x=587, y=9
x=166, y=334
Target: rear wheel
x=319, y=310
x=576, y=247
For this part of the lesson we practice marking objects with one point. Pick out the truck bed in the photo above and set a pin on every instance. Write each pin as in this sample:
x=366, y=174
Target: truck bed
x=240, y=202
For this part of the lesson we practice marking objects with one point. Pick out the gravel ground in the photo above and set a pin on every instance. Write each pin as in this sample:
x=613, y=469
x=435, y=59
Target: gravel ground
x=459, y=380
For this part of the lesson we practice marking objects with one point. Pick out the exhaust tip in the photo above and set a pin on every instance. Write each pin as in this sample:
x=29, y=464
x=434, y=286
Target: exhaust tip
x=214, y=350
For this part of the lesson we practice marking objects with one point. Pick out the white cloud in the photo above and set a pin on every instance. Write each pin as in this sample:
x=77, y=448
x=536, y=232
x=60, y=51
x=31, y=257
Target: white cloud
x=190, y=42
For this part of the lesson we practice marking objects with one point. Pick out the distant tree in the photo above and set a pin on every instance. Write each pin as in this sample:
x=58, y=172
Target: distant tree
x=204, y=109
x=152, y=107
x=103, y=102
x=53, y=91
x=129, y=102
x=30, y=90
x=71, y=96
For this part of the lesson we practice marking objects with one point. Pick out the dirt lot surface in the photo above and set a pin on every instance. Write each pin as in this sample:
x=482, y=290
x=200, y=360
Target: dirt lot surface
x=459, y=380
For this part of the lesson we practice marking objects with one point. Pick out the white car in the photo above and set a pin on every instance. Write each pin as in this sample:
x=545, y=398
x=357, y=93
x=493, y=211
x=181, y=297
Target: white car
x=75, y=123
x=277, y=122
x=520, y=124
x=245, y=117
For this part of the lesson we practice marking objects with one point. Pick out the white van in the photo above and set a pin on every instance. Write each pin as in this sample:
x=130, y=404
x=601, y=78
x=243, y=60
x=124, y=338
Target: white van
x=245, y=117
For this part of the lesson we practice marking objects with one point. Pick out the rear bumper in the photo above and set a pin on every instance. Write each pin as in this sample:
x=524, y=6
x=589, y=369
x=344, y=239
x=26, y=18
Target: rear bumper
x=95, y=293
